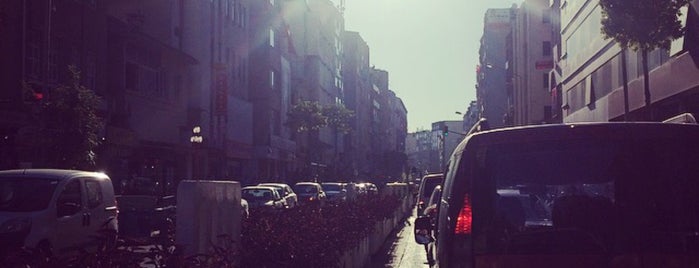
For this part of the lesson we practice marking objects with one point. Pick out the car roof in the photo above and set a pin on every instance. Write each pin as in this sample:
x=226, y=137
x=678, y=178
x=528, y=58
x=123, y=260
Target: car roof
x=259, y=188
x=274, y=184
x=307, y=183
x=57, y=174
x=562, y=131
x=433, y=176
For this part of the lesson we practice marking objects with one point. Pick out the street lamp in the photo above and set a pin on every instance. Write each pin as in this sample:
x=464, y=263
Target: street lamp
x=196, y=140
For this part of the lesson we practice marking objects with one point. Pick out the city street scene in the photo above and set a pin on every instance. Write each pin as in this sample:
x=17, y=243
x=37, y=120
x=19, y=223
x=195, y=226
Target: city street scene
x=349, y=133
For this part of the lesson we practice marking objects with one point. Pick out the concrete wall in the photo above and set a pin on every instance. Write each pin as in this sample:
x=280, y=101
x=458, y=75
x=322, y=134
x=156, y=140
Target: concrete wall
x=206, y=210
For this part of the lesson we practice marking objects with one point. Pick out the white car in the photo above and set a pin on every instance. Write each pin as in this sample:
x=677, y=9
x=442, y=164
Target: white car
x=292, y=200
x=263, y=197
x=56, y=211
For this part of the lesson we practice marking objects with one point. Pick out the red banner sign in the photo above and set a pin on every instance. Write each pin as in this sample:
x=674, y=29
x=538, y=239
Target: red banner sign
x=221, y=93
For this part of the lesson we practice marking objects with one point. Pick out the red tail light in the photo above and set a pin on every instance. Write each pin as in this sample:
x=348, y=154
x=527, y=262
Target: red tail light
x=465, y=218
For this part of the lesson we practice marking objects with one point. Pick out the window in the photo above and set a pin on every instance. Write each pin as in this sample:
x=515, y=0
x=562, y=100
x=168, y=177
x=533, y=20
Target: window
x=271, y=79
x=94, y=194
x=271, y=37
x=545, y=16
x=224, y=7
x=276, y=123
x=546, y=47
x=71, y=195
x=545, y=79
x=131, y=76
x=161, y=84
x=232, y=11
x=33, y=53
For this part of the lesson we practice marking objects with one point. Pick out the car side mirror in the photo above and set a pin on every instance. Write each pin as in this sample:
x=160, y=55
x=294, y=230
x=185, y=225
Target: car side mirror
x=68, y=209
x=423, y=230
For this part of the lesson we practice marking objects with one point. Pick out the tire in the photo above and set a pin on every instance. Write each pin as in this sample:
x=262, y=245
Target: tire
x=44, y=253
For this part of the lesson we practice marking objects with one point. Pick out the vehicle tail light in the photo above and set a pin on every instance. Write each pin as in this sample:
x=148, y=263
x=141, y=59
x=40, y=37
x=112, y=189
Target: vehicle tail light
x=465, y=218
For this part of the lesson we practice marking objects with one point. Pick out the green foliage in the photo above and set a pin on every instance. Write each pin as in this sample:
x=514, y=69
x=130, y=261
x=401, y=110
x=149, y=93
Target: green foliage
x=642, y=24
x=311, y=115
x=338, y=117
x=69, y=125
x=306, y=116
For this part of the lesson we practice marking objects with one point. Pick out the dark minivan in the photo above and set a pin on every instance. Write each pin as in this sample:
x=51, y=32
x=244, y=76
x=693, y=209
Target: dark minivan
x=572, y=195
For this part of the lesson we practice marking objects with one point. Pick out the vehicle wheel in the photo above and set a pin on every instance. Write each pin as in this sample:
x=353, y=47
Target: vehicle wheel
x=44, y=253
x=110, y=240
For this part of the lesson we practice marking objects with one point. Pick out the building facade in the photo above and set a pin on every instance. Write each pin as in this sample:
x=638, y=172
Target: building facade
x=316, y=27
x=358, y=87
x=493, y=85
x=591, y=74
x=532, y=61
x=271, y=91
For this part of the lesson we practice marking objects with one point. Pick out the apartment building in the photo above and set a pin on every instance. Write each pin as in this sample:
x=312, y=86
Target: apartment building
x=591, y=74
x=532, y=60
x=493, y=87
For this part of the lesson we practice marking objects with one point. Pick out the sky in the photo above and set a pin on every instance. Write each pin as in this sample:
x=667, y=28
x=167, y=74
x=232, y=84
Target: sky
x=429, y=48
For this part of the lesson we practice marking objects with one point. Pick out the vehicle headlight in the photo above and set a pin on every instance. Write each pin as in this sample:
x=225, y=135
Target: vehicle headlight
x=16, y=225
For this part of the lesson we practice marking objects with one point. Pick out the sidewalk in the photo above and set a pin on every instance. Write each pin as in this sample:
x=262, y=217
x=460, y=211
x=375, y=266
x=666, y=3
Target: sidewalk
x=400, y=249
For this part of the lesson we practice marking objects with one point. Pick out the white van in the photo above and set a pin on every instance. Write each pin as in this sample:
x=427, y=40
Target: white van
x=56, y=211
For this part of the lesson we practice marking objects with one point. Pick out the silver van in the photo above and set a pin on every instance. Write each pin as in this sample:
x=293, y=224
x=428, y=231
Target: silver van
x=56, y=211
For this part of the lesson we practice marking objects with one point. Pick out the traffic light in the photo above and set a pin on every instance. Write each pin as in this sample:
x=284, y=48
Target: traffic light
x=445, y=130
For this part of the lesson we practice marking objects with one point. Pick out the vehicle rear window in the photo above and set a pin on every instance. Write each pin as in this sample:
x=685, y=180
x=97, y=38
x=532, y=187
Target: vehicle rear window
x=332, y=187
x=280, y=189
x=26, y=194
x=305, y=189
x=94, y=193
x=257, y=194
x=429, y=184
x=587, y=196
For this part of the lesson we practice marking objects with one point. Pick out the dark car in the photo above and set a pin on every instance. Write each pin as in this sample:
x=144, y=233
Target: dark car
x=427, y=185
x=335, y=191
x=572, y=195
x=310, y=193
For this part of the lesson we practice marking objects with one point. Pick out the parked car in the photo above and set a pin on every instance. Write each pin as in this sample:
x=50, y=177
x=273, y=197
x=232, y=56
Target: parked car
x=427, y=185
x=335, y=191
x=244, y=208
x=571, y=195
x=310, y=193
x=371, y=188
x=361, y=189
x=263, y=197
x=56, y=211
x=286, y=192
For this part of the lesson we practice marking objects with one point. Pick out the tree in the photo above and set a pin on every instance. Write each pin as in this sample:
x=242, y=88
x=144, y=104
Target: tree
x=338, y=117
x=306, y=116
x=311, y=115
x=68, y=124
x=642, y=25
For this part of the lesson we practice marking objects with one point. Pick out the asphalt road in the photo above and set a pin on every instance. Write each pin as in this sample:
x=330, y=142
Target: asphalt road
x=400, y=249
